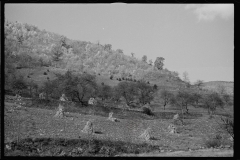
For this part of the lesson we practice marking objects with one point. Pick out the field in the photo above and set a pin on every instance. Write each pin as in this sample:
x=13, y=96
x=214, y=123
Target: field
x=61, y=136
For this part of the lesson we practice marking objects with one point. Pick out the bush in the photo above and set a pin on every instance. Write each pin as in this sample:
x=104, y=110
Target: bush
x=147, y=111
x=48, y=70
x=215, y=142
x=44, y=73
x=155, y=87
x=111, y=77
x=228, y=125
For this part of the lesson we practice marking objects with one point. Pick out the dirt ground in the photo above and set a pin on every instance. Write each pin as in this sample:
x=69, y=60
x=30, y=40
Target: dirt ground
x=197, y=153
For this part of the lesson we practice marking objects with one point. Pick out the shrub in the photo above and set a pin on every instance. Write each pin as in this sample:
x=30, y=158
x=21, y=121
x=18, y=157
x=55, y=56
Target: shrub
x=19, y=84
x=111, y=77
x=215, y=142
x=147, y=111
x=228, y=125
x=48, y=70
x=44, y=73
x=155, y=87
x=119, y=79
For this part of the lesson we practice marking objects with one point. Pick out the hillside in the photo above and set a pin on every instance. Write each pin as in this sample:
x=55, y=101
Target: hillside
x=32, y=50
x=37, y=75
x=217, y=85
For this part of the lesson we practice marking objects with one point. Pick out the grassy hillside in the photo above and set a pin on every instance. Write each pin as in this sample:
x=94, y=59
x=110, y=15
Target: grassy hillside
x=37, y=75
x=27, y=47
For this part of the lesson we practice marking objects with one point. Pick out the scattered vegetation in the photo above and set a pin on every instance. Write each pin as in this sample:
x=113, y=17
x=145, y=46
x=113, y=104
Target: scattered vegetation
x=74, y=147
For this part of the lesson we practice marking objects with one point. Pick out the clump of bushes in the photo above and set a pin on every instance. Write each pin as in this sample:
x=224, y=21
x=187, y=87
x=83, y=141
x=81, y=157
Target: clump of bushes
x=214, y=142
x=76, y=147
x=147, y=111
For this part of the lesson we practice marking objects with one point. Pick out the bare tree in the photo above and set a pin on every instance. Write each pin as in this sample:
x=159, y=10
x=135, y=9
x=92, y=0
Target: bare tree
x=182, y=100
x=199, y=84
x=132, y=54
x=186, y=79
x=212, y=101
x=150, y=62
x=166, y=97
x=221, y=89
x=144, y=58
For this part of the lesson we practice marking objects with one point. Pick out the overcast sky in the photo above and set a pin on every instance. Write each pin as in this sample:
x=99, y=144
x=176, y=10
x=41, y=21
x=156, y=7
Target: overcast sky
x=197, y=38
